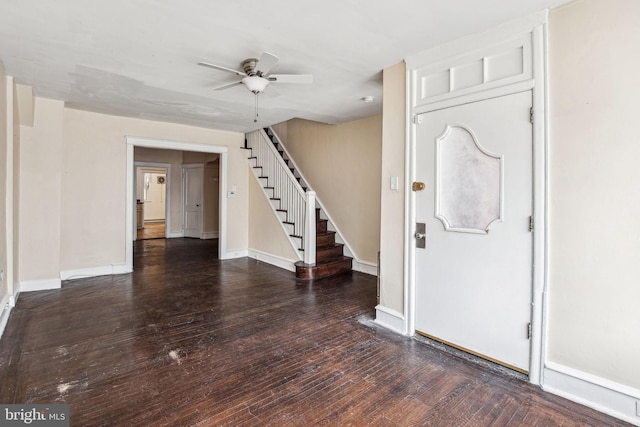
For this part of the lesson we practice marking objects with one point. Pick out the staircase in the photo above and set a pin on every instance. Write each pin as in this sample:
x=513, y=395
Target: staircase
x=321, y=259
x=330, y=259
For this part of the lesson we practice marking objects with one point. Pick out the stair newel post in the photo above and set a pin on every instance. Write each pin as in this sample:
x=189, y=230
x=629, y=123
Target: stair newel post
x=310, y=228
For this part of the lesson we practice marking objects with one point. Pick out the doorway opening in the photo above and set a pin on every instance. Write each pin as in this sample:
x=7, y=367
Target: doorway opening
x=174, y=219
x=152, y=189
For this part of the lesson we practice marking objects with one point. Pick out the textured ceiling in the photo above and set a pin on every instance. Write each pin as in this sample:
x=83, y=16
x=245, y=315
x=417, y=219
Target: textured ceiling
x=137, y=58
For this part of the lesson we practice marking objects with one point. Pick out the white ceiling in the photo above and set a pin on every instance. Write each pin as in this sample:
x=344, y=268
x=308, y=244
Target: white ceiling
x=138, y=58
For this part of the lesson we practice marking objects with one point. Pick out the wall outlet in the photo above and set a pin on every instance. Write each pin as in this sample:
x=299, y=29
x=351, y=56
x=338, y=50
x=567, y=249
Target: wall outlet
x=638, y=408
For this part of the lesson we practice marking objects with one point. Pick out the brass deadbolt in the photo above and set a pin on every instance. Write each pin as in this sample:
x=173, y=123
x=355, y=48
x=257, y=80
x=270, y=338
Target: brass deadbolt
x=417, y=186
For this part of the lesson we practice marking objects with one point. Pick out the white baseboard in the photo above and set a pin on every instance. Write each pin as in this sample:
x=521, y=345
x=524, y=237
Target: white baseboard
x=287, y=264
x=210, y=235
x=390, y=319
x=106, y=270
x=6, y=305
x=603, y=395
x=40, y=285
x=175, y=235
x=235, y=253
x=365, y=267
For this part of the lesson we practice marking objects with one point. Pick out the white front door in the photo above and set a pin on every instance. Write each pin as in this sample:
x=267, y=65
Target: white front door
x=473, y=278
x=192, y=190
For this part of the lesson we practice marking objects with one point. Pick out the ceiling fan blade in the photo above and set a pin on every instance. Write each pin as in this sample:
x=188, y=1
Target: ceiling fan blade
x=220, y=67
x=291, y=78
x=266, y=62
x=228, y=85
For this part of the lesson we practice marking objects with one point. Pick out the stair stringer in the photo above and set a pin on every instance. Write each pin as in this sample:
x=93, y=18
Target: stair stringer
x=357, y=263
x=292, y=241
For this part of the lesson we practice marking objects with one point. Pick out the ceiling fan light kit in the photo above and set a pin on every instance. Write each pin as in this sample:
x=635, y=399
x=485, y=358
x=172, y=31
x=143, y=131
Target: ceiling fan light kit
x=255, y=84
x=256, y=80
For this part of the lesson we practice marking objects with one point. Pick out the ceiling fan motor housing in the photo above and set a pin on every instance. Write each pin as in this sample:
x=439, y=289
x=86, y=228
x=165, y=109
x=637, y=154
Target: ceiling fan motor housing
x=249, y=66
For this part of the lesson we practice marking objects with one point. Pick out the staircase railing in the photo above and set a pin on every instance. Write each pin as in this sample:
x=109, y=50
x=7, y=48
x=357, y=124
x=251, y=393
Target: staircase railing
x=287, y=191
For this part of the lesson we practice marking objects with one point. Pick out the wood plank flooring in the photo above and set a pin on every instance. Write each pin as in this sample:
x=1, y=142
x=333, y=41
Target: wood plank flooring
x=188, y=339
x=151, y=230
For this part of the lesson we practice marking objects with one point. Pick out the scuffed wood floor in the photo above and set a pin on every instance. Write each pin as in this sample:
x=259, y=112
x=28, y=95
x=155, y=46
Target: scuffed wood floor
x=188, y=339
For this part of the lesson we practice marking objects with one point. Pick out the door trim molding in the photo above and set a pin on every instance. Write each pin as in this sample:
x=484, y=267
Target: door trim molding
x=533, y=30
x=133, y=141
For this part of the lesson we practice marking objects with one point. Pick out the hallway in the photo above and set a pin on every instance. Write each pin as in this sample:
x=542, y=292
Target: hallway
x=190, y=339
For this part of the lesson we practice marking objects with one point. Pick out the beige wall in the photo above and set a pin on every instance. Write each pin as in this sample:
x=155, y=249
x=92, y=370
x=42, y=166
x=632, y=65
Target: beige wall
x=392, y=202
x=594, y=235
x=265, y=231
x=94, y=145
x=40, y=192
x=342, y=164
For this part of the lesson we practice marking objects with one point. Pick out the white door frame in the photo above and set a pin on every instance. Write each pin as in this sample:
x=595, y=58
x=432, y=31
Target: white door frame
x=167, y=189
x=456, y=53
x=130, y=194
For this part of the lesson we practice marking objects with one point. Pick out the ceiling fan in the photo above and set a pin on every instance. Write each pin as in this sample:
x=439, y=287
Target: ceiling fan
x=255, y=74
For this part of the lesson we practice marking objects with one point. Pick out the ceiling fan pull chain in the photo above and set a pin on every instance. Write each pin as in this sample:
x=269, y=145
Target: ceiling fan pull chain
x=255, y=119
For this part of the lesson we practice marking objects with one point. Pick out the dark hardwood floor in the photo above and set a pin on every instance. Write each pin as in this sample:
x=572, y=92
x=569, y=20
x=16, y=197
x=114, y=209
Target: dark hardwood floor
x=188, y=339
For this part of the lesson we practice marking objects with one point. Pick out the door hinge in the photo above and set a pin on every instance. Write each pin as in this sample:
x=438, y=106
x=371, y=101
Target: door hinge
x=531, y=115
x=529, y=330
x=531, y=223
x=417, y=119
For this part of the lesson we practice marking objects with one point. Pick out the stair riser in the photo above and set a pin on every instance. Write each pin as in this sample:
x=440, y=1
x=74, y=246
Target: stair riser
x=325, y=239
x=321, y=226
x=323, y=270
x=325, y=254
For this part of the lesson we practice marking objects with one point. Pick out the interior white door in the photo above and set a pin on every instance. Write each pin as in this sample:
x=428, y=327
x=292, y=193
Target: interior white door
x=192, y=190
x=473, y=278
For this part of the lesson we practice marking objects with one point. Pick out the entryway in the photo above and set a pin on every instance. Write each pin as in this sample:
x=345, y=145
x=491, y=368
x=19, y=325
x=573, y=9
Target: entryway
x=152, y=194
x=180, y=149
x=474, y=275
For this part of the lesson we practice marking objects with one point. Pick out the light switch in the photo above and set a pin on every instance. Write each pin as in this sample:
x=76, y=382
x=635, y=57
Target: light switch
x=394, y=183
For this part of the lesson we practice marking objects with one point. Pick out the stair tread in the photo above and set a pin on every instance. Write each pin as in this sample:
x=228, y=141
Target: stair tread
x=329, y=246
x=329, y=261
